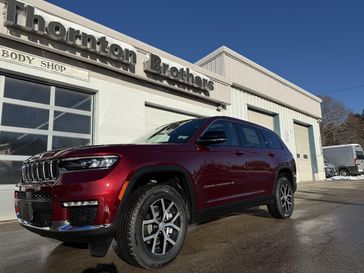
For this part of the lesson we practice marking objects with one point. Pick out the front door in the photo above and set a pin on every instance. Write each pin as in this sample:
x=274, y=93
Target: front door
x=221, y=168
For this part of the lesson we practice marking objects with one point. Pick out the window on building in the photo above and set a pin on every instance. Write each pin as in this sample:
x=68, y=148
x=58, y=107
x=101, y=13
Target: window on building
x=37, y=117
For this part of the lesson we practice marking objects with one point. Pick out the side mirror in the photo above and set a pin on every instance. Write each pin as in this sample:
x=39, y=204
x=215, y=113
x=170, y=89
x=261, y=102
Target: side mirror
x=212, y=137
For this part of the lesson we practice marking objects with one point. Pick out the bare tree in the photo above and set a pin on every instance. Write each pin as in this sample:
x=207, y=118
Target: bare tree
x=354, y=129
x=334, y=118
x=339, y=125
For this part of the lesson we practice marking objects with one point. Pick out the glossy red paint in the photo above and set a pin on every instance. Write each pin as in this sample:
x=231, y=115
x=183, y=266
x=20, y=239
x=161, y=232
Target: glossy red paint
x=216, y=175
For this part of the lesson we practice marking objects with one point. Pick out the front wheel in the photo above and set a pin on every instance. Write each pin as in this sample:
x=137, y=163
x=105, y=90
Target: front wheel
x=283, y=203
x=154, y=227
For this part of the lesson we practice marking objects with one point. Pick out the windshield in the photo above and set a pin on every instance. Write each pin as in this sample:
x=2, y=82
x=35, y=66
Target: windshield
x=178, y=132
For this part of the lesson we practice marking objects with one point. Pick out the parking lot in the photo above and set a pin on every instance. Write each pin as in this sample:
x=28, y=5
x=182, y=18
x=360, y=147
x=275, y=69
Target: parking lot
x=325, y=234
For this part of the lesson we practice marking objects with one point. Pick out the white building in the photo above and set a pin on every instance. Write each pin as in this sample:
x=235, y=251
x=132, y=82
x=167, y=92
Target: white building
x=67, y=81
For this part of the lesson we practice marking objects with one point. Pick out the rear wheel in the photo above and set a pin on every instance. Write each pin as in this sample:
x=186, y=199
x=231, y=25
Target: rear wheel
x=283, y=204
x=154, y=227
x=344, y=172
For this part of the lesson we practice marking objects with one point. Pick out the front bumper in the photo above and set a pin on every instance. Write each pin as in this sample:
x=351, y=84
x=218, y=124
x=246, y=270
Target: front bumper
x=64, y=231
x=40, y=207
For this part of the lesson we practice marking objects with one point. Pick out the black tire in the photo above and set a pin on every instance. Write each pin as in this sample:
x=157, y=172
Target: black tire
x=344, y=172
x=282, y=207
x=133, y=245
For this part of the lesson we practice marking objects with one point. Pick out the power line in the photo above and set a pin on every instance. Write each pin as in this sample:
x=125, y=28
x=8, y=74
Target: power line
x=343, y=89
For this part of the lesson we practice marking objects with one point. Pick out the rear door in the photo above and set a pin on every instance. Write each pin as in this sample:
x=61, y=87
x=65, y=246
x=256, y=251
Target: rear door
x=277, y=155
x=259, y=175
x=359, y=155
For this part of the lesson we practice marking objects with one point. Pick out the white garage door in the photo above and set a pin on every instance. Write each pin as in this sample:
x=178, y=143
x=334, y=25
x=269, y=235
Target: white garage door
x=304, y=161
x=155, y=117
x=261, y=119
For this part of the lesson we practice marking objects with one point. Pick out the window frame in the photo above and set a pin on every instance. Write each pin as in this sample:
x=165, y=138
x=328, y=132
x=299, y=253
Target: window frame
x=235, y=137
x=51, y=107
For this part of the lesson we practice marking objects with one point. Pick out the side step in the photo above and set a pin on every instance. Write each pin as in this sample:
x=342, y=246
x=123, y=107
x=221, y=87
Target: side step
x=99, y=249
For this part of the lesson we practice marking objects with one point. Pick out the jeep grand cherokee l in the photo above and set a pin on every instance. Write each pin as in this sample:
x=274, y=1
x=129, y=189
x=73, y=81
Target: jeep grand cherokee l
x=143, y=195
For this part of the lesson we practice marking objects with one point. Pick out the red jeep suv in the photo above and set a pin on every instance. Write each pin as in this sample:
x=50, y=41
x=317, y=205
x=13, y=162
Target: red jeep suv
x=143, y=195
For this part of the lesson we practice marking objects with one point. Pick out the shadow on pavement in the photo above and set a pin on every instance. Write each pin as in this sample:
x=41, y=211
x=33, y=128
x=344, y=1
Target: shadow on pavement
x=255, y=211
x=71, y=258
x=75, y=245
x=330, y=201
x=258, y=212
x=102, y=268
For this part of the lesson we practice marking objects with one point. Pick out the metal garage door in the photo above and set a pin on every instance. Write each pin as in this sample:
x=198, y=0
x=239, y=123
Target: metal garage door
x=155, y=117
x=304, y=161
x=261, y=119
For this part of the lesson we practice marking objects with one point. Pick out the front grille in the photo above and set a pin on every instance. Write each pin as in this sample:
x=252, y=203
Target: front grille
x=40, y=171
x=42, y=196
x=82, y=216
x=38, y=196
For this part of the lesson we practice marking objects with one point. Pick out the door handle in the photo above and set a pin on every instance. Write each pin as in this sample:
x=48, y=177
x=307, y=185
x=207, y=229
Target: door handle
x=271, y=154
x=239, y=153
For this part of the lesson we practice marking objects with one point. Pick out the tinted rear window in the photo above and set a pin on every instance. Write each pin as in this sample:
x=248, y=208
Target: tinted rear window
x=249, y=136
x=272, y=140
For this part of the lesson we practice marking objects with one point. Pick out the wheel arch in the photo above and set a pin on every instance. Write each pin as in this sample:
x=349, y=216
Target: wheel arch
x=346, y=168
x=141, y=176
x=287, y=172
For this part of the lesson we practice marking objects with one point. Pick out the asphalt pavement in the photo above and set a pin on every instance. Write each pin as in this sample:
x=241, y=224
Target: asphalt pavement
x=325, y=234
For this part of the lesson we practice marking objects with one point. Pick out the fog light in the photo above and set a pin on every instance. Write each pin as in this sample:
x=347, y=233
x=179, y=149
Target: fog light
x=80, y=204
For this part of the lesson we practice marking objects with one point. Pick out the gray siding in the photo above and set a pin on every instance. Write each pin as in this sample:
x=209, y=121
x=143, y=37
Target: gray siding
x=253, y=78
x=215, y=64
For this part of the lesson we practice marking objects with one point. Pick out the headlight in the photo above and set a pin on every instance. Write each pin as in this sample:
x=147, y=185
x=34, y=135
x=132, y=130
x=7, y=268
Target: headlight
x=88, y=163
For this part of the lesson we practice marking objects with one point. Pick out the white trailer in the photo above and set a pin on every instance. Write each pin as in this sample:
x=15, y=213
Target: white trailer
x=348, y=158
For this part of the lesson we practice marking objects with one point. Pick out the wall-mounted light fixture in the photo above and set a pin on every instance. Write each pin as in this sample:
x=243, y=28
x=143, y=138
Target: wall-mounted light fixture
x=220, y=107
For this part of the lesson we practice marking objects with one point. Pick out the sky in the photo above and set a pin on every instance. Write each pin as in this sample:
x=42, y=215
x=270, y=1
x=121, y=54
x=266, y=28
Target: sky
x=316, y=44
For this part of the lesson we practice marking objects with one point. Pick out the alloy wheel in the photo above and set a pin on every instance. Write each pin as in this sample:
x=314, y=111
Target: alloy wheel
x=161, y=226
x=285, y=195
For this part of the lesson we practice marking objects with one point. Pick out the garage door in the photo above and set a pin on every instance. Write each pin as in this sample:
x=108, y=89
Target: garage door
x=155, y=117
x=304, y=161
x=261, y=119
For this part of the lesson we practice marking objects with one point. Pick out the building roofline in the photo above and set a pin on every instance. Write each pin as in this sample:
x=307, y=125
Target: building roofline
x=341, y=145
x=228, y=51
